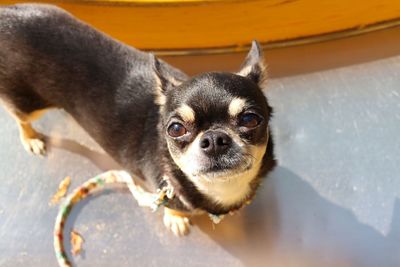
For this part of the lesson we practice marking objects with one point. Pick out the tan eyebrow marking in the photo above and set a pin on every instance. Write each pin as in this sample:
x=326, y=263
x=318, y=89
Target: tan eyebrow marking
x=186, y=113
x=236, y=106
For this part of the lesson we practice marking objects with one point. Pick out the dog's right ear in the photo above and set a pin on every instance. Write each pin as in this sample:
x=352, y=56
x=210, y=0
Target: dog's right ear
x=166, y=79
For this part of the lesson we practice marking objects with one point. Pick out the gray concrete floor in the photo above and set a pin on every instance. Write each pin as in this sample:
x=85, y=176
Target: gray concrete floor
x=334, y=199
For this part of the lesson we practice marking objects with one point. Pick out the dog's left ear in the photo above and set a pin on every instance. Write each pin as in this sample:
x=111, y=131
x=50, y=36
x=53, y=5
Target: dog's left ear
x=166, y=78
x=253, y=66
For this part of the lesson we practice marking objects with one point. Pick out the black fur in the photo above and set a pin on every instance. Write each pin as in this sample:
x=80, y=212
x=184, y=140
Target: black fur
x=209, y=96
x=50, y=59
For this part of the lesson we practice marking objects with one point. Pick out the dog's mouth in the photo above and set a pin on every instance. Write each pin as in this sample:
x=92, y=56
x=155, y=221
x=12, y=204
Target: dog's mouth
x=224, y=167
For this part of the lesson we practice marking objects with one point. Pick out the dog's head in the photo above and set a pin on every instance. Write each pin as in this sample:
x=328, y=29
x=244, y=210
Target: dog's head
x=216, y=126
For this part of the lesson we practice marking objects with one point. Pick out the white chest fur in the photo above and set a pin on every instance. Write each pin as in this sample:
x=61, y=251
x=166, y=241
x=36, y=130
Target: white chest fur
x=227, y=190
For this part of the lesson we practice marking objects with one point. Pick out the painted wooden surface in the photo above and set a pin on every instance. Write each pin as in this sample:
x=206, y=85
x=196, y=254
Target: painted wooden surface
x=175, y=25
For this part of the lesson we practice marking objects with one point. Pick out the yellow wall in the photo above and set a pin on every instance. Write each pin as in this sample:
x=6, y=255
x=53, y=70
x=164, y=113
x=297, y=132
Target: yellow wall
x=177, y=24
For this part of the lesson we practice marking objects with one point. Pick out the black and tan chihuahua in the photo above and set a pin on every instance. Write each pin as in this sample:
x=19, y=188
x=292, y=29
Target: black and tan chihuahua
x=207, y=134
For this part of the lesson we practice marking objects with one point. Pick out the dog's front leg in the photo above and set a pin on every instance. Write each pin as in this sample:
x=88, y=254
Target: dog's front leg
x=176, y=221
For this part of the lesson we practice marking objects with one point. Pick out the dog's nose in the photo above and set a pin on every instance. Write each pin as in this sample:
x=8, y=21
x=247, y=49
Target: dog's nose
x=215, y=142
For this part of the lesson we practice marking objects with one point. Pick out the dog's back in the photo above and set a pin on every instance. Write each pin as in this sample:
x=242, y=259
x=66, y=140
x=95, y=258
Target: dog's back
x=60, y=58
x=50, y=59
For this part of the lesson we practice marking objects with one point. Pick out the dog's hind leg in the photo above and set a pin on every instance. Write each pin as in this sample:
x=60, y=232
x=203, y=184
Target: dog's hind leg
x=25, y=106
x=32, y=141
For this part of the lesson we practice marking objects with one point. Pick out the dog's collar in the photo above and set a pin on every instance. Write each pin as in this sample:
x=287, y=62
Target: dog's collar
x=167, y=193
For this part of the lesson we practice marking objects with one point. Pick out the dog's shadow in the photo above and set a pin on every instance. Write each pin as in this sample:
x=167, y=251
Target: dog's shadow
x=290, y=224
x=99, y=159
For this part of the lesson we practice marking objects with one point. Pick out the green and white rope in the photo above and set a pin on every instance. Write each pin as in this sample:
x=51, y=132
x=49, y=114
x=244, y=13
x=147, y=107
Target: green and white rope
x=154, y=201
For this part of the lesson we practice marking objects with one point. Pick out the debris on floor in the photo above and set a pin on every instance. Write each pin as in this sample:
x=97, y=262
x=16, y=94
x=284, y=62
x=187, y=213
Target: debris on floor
x=76, y=243
x=61, y=192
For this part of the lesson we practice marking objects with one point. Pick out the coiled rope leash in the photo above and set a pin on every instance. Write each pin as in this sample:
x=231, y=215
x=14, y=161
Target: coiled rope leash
x=145, y=199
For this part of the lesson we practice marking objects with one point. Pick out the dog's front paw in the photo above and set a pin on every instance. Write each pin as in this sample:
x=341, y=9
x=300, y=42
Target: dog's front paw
x=177, y=222
x=35, y=145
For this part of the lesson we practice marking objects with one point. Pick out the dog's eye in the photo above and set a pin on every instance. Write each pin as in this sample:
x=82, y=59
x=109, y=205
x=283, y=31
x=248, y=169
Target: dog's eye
x=249, y=120
x=176, y=130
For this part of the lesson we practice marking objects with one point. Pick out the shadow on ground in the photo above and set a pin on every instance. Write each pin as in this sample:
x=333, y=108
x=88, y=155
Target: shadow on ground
x=290, y=224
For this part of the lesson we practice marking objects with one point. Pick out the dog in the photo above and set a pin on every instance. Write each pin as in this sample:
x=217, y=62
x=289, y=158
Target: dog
x=207, y=135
